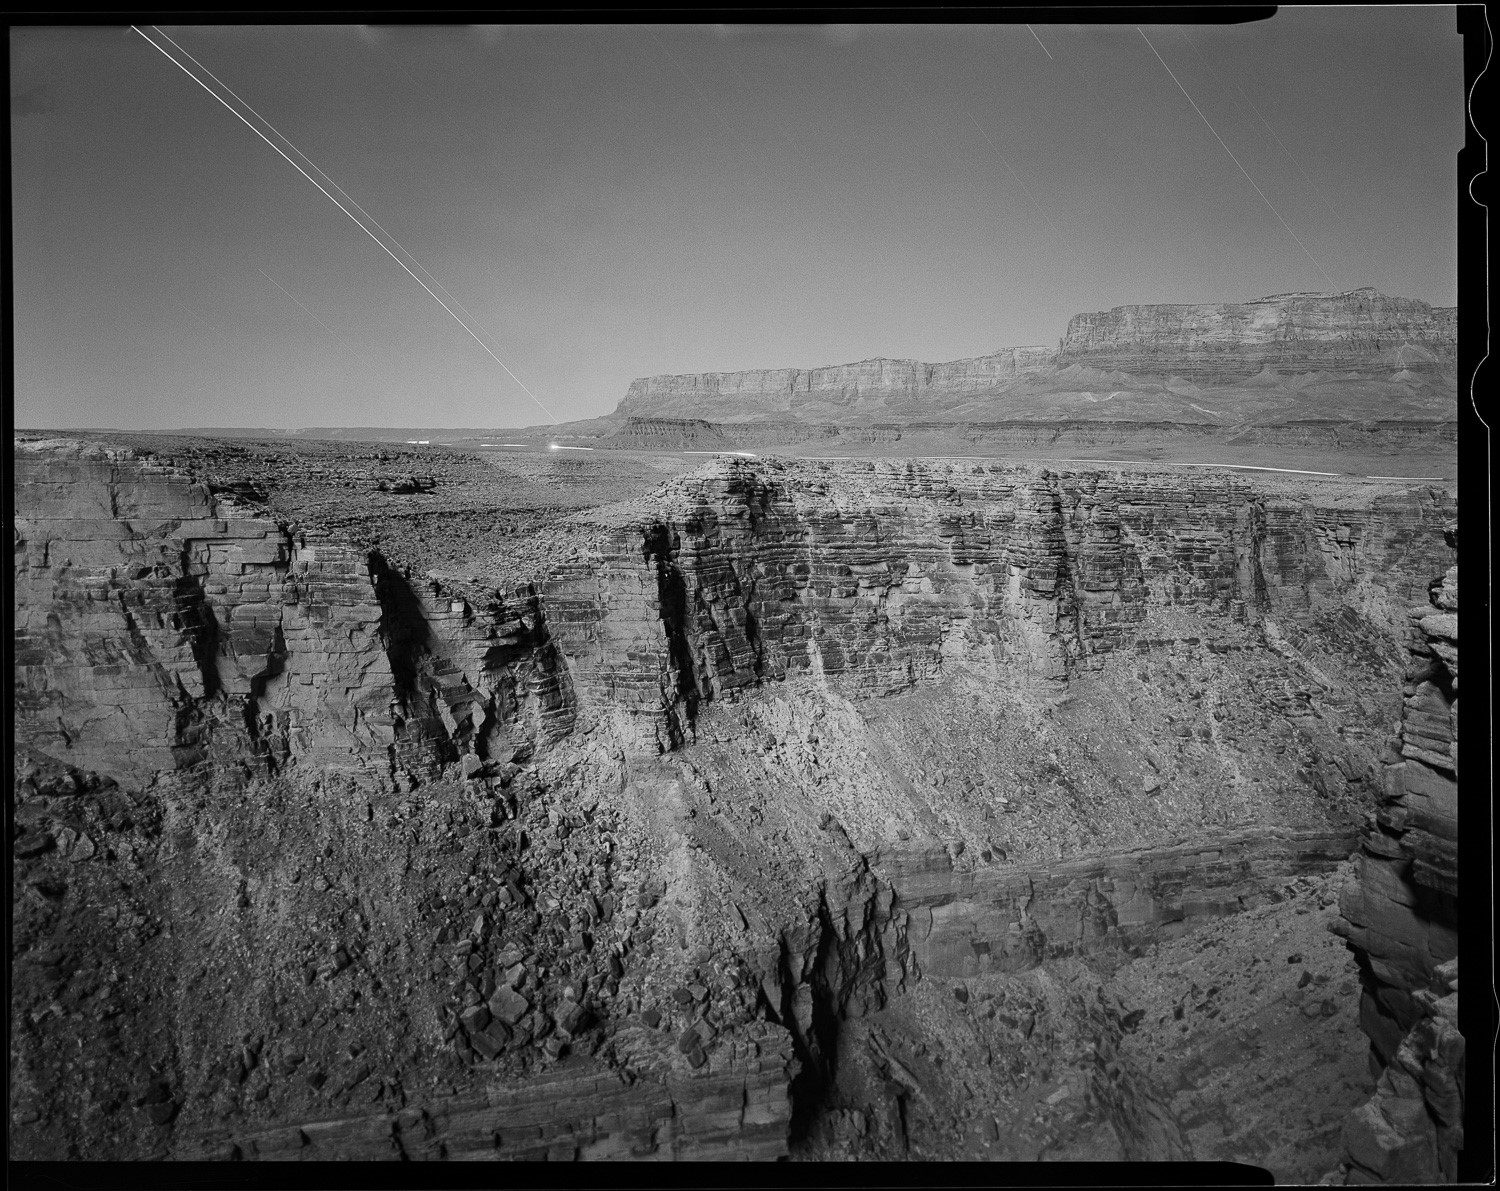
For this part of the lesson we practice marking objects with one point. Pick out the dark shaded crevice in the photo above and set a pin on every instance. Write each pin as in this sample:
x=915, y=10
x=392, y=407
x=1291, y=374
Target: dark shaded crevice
x=810, y=1091
x=195, y=616
x=843, y=980
x=261, y=738
x=1253, y=579
x=752, y=635
x=1069, y=606
x=407, y=642
x=672, y=598
x=403, y=628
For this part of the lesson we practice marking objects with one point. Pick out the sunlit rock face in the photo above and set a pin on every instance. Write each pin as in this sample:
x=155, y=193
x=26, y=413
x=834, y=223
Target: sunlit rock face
x=1283, y=358
x=865, y=387
x=875, y=572
x=1290, y=333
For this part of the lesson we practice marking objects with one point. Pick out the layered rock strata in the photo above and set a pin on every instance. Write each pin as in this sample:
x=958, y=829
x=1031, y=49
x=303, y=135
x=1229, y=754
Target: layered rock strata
x=1288, y=332
x=448, y=811
x=1006, y=919
x=1100, y=355
x=1401, y=917
x=1403, y=444
x=582, y=1112
x=762, y=571
x=159, y=622
x=786, y=390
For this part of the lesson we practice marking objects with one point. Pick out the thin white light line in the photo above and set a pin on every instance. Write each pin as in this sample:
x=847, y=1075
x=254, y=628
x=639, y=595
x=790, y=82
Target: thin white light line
x=1236, y=160
x=1026, y=190
x=1318, y=190
x=356, y=219
x=314, y=166
x=1039, y=42
x=305, y=310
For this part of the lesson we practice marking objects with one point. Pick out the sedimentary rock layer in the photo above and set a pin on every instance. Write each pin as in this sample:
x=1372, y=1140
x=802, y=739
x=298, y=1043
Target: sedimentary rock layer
x=1401, y=916
x=733, y=1111
x=1287, y=332
x=962, y=924
x=1400, y=344
x=875, y=571
x=1406, y=444
x=160, y=621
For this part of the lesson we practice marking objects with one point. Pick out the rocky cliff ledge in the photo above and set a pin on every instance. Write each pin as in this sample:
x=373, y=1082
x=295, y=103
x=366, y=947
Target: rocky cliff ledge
x=1400, y=918
x=875, y=572
x=1292, y=333
x=1222, y=363
x=852, y=386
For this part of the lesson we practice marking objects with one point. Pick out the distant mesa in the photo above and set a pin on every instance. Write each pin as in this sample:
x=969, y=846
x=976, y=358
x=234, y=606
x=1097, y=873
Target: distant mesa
x=1286, y=357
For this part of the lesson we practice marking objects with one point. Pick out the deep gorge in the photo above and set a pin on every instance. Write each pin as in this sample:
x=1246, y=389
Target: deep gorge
x=660, y=854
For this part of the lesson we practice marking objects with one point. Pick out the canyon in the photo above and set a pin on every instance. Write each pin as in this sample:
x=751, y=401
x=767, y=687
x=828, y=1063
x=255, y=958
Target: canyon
x=382, y=801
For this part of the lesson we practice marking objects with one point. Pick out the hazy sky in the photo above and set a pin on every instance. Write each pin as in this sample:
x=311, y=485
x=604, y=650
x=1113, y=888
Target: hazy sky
x=614, y=202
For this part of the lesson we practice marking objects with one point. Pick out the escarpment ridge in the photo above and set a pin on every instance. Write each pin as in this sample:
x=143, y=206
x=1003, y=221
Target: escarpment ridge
x=679, y=842
x=1288, y=357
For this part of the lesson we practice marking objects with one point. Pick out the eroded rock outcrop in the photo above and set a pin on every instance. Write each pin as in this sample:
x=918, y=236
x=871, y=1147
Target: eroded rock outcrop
x=162, y=624
x=875, y=572
x=738, y=1109
x=1293, y=333
x=1007, y=919
x=856, y=387
x=1401, y=918
x=1223, y=362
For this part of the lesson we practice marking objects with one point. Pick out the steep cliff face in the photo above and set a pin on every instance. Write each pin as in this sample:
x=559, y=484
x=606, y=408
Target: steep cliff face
x=861, y=387
x=1287, y=332
x=1401, y=915
x=609, y=838
x=150, y=613
x=874, y=573
x=160, y=622
x=1280, y=358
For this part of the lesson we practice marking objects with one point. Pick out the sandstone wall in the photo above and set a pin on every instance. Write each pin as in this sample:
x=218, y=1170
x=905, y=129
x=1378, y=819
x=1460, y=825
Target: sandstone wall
x=151, y=613
x=1290, y=333
x=875, y=573
x=161, y=625
x=1212, y=344
x=1400, y=918
x=734, y=1110
x=1009, y=918
x=849, y=385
